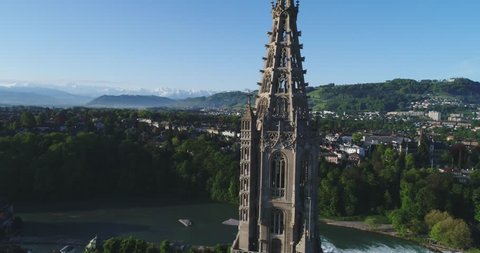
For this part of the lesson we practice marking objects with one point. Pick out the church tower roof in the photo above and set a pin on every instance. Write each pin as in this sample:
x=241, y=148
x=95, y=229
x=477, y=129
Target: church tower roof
x=248, y=114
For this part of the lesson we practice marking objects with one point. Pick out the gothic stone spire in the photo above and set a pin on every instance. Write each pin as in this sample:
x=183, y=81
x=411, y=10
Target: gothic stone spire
x=278, y=157
x=282, y=92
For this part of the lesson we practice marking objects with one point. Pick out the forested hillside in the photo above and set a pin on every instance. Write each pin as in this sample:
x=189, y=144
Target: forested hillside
x=395, y=95
x=224, y=100
x=392, y=95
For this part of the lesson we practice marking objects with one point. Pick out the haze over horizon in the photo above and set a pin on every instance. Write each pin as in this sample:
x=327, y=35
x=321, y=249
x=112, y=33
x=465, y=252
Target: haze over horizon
x=189, y=44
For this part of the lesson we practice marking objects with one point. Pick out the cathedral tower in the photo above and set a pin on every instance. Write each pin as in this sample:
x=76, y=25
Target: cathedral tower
x=278, y=167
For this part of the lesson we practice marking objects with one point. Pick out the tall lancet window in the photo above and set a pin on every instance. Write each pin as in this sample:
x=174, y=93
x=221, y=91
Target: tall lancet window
x=282, y=83
x=278, y=222
x=278, y=169
x=284, y=58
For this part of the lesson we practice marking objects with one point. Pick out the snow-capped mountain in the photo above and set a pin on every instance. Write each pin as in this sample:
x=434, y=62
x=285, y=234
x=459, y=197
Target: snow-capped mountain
x=20, y=93
x=96, y=91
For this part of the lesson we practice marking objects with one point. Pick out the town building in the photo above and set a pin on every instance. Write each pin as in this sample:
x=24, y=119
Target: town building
x=435, y=116
x=455, y=117
x=334, y=157
x=279, y=152
x=407, y=113
x=352, y=149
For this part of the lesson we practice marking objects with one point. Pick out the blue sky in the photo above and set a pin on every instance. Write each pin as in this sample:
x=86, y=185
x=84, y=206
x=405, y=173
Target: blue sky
x=218, y=44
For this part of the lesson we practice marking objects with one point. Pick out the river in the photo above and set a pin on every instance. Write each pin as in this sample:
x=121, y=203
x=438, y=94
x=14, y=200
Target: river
x=81, y=221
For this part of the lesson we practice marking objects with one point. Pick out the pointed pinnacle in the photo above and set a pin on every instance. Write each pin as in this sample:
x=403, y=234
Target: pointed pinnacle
x=288, y=3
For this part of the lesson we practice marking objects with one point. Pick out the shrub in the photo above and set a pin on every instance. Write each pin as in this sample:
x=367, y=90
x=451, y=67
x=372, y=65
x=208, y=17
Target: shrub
x=452, y=232
x=372, y=222
x=435, y=216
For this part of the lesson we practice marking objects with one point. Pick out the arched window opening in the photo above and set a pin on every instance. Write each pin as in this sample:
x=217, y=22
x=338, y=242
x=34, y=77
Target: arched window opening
x=283, y=83
x=278, y=222
x=296, y=84
x=294, y=62
x=284, y=35
x=245, y=125
x=245, y=155
x=278, y=170
x=245, y=169
x=244, y=214
x=284, y=58
x=245, y=184
x=244, y=200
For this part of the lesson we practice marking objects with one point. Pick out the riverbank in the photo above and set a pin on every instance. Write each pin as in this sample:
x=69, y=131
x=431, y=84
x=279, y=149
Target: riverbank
x=157, y=220
x=385, y=229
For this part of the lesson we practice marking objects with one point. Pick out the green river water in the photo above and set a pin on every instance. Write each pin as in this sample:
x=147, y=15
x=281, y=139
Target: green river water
x=82, y=221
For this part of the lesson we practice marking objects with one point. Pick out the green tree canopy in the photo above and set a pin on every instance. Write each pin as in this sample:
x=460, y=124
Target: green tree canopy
x=452, y=232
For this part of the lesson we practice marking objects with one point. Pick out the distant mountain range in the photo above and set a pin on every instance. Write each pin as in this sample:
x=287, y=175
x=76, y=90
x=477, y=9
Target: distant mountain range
x=32, y=94
x=392, y=95
x=38, y=96
x=130, y=101
x=224, y=100
x=94, y=92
